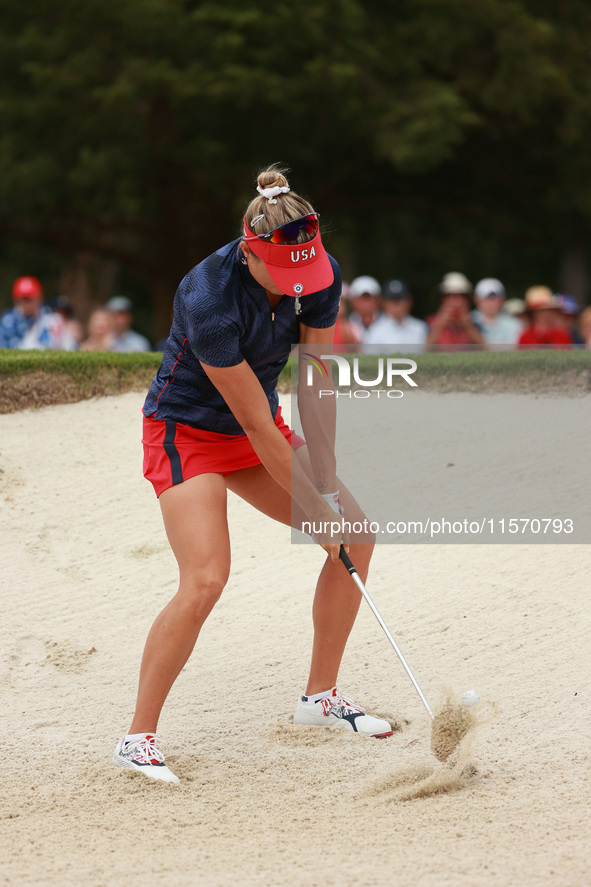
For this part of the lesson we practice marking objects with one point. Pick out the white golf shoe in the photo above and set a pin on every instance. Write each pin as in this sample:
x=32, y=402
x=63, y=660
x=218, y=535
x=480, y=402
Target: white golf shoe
x=144, y=756
x=336, y=710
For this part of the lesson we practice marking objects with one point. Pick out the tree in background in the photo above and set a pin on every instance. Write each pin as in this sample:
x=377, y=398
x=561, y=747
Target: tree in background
x=427, y=131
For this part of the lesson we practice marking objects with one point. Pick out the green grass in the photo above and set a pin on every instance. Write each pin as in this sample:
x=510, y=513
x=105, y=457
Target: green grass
x=567, y=372
x=30, y=379
x=76, y=364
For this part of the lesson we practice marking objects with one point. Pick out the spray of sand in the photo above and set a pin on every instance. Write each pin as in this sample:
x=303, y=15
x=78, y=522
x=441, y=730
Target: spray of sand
x=454, y=729
x=450, y=725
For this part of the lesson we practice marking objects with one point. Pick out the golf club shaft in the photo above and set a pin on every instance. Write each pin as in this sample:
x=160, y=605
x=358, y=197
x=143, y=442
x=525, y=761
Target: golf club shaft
x=357, y=580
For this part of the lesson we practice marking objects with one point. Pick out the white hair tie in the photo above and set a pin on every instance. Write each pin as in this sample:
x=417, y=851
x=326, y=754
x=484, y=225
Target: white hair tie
x=270, y=193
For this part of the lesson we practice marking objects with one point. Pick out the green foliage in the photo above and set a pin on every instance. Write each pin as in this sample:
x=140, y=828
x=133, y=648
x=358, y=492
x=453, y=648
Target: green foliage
x=134, y=128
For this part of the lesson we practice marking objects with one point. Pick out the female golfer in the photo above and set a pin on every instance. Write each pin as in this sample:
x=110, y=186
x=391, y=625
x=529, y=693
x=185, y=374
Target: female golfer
x=212, y=423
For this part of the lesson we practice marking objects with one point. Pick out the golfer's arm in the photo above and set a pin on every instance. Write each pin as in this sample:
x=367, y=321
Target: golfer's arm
x=317, y=409
x=244, y=395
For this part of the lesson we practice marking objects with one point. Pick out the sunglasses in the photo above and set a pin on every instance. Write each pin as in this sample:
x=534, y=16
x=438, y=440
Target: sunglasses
x=289, y=232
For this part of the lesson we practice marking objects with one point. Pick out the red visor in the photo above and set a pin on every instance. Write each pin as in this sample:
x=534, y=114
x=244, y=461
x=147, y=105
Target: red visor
x=297, y=269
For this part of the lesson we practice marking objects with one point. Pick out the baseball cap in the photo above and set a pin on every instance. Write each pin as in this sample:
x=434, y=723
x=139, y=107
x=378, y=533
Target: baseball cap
x=365, y=284
x=537, y=297
x=119, y=303
x=297, y=269
x=27, y=288
x=455, y=282
x=395, y=290
x=489, y=286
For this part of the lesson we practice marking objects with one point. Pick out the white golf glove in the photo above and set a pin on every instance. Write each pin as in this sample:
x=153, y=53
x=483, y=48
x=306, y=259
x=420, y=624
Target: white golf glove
x=334, y=501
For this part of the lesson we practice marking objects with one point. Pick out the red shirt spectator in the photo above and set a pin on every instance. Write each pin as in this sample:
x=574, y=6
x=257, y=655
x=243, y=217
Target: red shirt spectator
x=344, y=333
x=545, y=327
x=556, y=337
x=453, y=325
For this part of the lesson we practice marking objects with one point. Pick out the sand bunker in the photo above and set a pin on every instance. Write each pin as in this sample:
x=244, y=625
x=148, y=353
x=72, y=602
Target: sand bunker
x=86, y=564
x=423, y=780
x=66, y=656
x=454, y=729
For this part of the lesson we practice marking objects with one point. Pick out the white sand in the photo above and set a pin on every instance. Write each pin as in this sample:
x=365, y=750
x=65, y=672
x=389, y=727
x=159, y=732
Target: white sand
x=85, y=566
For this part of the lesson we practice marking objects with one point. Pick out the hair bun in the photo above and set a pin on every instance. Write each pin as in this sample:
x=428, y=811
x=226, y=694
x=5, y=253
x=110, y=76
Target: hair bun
x=273, y=177
x=275, y=203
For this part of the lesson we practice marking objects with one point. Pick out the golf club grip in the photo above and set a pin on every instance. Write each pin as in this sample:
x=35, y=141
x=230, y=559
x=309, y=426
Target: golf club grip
x=346, y=560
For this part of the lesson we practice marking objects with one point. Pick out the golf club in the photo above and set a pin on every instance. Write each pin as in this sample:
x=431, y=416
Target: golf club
x=357, y=580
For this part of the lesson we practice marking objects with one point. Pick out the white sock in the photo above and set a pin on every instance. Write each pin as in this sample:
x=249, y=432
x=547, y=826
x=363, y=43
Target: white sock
x=316, y=697
x=132, y=737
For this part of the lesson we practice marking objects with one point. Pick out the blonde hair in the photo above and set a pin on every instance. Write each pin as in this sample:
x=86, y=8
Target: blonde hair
x=271, y=215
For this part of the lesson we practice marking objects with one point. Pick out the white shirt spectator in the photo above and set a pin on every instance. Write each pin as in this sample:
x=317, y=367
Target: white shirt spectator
x=497, y=327
x=408, y=335
x=49, y=331
x=125, y=339
x=503, y=330
x=395, y=329
x=130, y=341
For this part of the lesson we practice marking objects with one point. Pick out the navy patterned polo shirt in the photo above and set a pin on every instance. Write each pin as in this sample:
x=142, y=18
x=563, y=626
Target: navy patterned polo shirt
x=222, y=316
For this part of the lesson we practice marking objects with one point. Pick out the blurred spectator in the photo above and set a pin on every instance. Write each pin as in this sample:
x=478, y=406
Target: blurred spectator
x=364, y=293
x=27, y=299
x=585, y=326
x=344, y=334
x=100, y=332
x=124, y=338
x=516, y=308
x=452, y=324
x=30, y=325
x=395, y=326
x=498, y=328
x=71, y=329
x=569, y=313
x=545, y=326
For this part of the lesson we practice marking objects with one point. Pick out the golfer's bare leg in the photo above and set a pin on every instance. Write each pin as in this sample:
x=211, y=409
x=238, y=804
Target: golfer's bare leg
x=337, y=598
x=195, y=519
x=334, y=611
